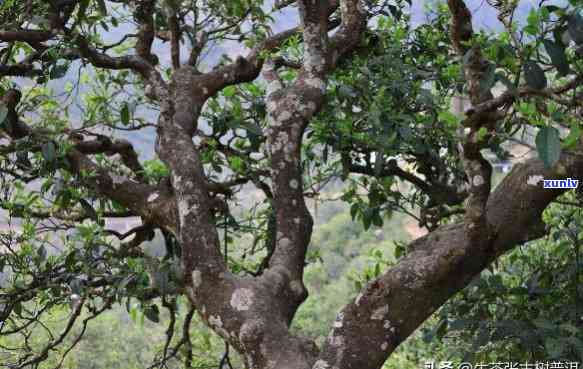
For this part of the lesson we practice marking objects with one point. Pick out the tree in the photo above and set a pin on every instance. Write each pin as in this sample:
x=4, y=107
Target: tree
x=366, y=105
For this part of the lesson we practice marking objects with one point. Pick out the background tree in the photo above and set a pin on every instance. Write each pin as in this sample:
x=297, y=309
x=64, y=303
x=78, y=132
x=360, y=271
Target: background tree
x=336, y=99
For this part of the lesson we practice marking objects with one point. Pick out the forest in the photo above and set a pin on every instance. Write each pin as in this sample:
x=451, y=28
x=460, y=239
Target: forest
x=310, y=184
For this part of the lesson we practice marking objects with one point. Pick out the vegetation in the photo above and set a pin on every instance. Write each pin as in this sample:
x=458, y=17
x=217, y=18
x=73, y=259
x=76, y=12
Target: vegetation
x=271, y=193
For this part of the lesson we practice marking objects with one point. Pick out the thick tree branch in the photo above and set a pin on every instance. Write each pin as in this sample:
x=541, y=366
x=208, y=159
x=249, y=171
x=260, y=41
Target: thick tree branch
x=478, y=169
x=440, y=193
x=174, y=37
x=20, y=70
x=246, y=69
x=289, y=110
x=26, y=36
x=102, y=60
x=150, y=202
x=508, y=97
x=246, y=311
x=438, y=265
x=144, y=14
x=122, y=147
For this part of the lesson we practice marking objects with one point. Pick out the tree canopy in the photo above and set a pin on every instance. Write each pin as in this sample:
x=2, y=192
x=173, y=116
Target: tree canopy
x=398, y=118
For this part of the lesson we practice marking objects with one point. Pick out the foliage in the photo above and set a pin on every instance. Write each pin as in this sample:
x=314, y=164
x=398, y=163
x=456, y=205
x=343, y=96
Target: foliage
x=385, y=142
x=528, y=306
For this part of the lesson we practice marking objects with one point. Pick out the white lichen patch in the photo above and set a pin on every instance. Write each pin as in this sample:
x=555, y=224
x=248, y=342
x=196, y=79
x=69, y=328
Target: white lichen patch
x=149, y=90
x=380, y=313
x=478, y=180
x=296, y=287
x=215, y=321
x=316, y=83
x=117, y=179
x=242, y=299
x=153, y=197
x=196, y=278
x=284, y=115
x=358, y=298
x=338, y=323
x=185, y=208
x=284, y=242
x=294, y=184
x=190, y=293
x=272, y=87
x=271, y=105
x=321, y=364
x=534, y=180
x=182, y=209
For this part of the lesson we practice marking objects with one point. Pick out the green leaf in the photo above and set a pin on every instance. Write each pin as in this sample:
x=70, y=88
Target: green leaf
x=152, y=313
x=544, y=324
x=17, y=308
x=488, y=78
x=506, y=82
x=482, y=132
x=441, y=329
x=133, y=314
x=533, y=22
x=253, y=89
x=58, y=71
x=379, y=163
x=554, y=347
x=377, y=220
x=449, y=118
x=42, y=253
x=125, y=114
x=82, y=12
x=367, y=219
x=556, y=52
x=575, y=28
x=3, y=114
x=252, y=128
x=76, y=286
x=354, y=209
x=574, y=135
x=551, y=8
x=89, y=210
x=101, y=7
x=229, y=91
x=548, y=145
x=128, y=304
x=534, y=75
x=236, y=163
x=48, y=151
